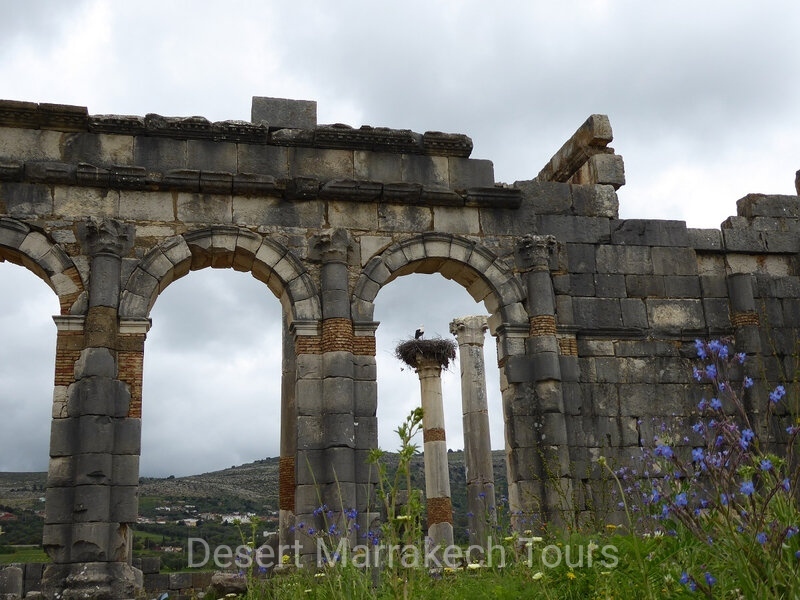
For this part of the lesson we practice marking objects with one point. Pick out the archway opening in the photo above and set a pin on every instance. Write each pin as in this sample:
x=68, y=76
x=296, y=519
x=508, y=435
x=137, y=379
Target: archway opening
x=27, y=359
x=211, y=402
x=433, y=301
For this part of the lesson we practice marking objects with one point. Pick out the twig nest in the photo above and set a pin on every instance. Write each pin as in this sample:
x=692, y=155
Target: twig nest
x=437, y=349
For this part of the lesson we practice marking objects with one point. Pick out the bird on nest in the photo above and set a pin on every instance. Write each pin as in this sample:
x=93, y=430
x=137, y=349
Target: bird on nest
x=419, y=332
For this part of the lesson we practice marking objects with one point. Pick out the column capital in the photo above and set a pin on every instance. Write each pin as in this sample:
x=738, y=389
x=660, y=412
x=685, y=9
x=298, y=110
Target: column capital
x=106, y=236
x=533, y=252
x=330, y=246
x=470, y=330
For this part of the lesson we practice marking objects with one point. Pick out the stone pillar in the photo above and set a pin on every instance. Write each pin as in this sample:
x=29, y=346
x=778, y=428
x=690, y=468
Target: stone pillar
x=481, y=513
x=437, y=474
x=286, y=472
x=746, y=324
x=326, y=425
x=92, y=489
x=535, y=418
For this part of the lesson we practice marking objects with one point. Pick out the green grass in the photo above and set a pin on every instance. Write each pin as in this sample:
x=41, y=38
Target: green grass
x=24, y=555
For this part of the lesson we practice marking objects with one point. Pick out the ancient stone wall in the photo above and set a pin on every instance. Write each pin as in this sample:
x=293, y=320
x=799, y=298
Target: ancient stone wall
x=594, y=317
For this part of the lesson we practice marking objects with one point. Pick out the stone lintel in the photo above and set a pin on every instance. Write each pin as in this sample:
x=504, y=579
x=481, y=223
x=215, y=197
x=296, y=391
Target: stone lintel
x=590, y=138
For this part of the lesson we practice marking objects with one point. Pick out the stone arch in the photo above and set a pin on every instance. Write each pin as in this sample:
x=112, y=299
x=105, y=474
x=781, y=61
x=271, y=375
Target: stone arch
x=482, y=273
x=222, y=247
x=21, y=245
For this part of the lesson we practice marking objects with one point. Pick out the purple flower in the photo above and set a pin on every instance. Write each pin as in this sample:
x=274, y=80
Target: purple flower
x=747, y=437
x=716, y=404
x=748, y=382
x=761, y=538
x=766, y=464
x=776, y=394
x=663, y=451
x=681, y=500
x=747, y=488
x=697, y=454
x=711, y=371
x=710, y=579
x=701, y=349
x=698, y=427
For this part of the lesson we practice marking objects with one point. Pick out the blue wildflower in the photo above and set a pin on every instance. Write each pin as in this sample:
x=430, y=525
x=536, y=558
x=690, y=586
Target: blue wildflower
x=776, y=394
x=747, y=488
x=785, y=484
x=716, y=404
x=710, y=579
x=701, y=349
x=711, y=371
x=747, y=437
x=723, y=499
x=684, y=578
x=681, y=499
x=761, y=538
x=663, y=451
x=766, y=465
x=797, y=555
x=697, y=454
x=748, y=382
x=740, y=357
x=697, y=374
x=698, y=427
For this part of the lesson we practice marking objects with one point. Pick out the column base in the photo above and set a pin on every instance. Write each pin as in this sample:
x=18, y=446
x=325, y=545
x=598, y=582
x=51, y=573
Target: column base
x=91, y=581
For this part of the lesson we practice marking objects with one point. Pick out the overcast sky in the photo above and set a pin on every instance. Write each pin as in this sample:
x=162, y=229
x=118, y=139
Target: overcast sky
x=702, y=98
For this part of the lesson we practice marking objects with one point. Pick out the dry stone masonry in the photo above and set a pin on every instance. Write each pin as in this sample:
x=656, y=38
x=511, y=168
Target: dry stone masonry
x=593, y=316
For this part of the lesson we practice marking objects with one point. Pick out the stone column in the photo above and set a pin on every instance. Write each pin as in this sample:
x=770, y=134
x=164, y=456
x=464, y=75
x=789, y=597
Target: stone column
x=437, y=474
x=326, y=436
x=288, y=450
x=92, y=488
x=481, y=513
x=746, y=324
x=536, y=428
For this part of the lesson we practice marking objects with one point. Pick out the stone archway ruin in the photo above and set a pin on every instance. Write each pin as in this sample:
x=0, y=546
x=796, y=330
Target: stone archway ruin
x=593, y=315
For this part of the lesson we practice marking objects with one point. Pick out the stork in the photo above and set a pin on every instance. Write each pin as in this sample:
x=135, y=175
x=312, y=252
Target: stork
x=419, y=332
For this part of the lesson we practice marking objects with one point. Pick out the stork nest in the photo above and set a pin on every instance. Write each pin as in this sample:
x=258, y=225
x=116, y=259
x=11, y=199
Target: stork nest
x=441, y=350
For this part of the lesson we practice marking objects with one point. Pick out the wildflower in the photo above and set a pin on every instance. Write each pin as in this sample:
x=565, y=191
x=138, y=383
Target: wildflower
x=711, y=371
x=311, y=531
x=473, y=566
x=710, y=579
x=747, y=437
x=761, y=538
x=697, y=374
x=538, y=575
x=571, y=575
x=785, y=484
x=747, y=488
x=740, y=358
x=663, y=451
x=797, y=555
x=702, y=405
x=697, y=454
x=684, y=578
x=723, y=499
x=776, y=394
x=766, y=464
x=698, y=427
x=748, y=382
x=681, y=499
x=285, y=559
x=716, y=404
x=701, y=349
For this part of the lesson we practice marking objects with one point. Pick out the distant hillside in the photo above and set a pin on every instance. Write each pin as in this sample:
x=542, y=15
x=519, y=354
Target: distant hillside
x=252, y=486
